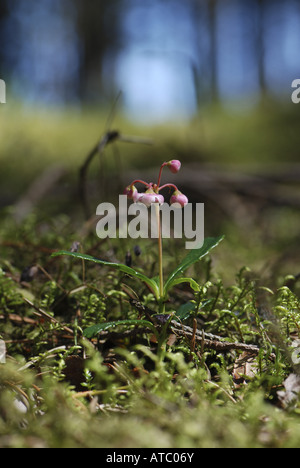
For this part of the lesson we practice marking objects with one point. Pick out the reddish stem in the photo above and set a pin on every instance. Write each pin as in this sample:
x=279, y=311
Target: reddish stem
x=141, y=182
x=160, y=171
x=168, y=185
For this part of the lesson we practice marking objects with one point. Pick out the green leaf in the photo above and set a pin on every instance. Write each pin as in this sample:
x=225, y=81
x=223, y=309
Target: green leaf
x=119, y=266
x=185, y=310
x=92, y=331
x=192, y=257
x=194, y=285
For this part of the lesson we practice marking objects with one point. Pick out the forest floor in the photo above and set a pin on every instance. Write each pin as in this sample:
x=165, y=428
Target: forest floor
x=225, y=371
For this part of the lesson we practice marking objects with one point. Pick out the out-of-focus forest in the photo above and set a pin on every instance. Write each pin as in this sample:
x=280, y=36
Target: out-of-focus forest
x=204, y=81
x=67, y=52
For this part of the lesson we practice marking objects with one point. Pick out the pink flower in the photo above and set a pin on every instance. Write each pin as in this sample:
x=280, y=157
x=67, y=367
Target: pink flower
x=150, y=197
x=136, y=196
x=174, y=165
x=130, y=191
x=178, y=199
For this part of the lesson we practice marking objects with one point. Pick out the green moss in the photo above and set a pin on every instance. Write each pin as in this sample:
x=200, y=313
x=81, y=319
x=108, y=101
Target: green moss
x=58, y=389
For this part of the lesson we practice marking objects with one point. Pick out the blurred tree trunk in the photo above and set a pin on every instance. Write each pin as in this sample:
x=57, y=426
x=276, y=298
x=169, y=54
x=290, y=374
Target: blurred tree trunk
x=196, y=7
x=205, y=69
x=99, y=35
x=212, y=9
x=260, y=46
x=3, y=16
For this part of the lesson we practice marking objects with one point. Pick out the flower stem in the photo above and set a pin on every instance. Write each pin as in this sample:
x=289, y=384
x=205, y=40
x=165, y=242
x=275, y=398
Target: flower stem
x=160, y=257
x=141, y=182
x=160, y=171
x=168, y=185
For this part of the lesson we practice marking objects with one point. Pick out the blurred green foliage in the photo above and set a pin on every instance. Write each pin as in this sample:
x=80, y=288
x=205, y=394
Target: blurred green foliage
x=31, y=139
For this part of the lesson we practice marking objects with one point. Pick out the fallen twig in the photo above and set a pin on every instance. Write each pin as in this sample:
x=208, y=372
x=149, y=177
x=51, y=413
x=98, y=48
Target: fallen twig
x=108, y=137
x=40, y=312
x=207, y=340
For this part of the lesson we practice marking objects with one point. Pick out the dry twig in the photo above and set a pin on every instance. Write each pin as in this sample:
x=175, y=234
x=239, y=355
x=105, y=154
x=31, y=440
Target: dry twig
x=195, y=335
x=109, y=137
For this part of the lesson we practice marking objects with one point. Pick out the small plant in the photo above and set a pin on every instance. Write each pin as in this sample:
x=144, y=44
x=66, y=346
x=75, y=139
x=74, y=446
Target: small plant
x=152, y=196
x=159, y=286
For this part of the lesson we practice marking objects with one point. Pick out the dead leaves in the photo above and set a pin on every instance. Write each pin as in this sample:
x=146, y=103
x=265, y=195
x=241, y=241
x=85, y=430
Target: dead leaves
x=289, y=396
x=245, y=368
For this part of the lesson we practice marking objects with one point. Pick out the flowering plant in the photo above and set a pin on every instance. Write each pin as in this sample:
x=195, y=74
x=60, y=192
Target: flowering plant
x=152, y=196
x=157, y=285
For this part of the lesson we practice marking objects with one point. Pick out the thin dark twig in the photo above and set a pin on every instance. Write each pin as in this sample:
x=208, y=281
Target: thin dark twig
x=40, y=312
x=109, y=137
x=98, y=148
x=207, y=340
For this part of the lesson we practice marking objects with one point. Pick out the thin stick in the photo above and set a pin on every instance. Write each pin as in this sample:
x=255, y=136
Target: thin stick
x=108, y=137
x=98, y=148
x=40, y=312
x=206, y=340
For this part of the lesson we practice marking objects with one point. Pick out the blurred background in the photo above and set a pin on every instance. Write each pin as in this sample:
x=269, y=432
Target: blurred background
x=168, y=57
x=204, y=81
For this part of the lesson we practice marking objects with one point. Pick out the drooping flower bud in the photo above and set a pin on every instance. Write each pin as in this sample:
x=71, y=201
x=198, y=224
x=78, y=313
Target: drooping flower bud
x=178, y=199
x=174, y=165
x=130, y=191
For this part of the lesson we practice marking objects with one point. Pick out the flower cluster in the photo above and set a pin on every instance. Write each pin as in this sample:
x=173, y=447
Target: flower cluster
x=152, y=195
